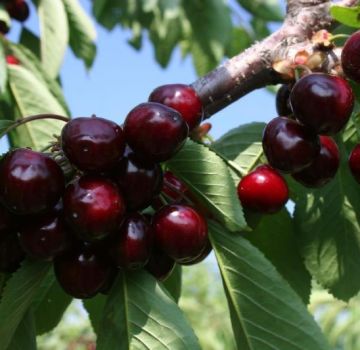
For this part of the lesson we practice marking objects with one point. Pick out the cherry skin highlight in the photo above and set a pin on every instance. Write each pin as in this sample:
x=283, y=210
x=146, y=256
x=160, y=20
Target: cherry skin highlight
x=30, y=182
x=289, y=146
x=155, y=132
x=323, y=168
x=263, y=190
x=132, y=246
x=354, y=162
x=182, y=98
x=350, y=59
x=82, y=272
x=93, y=144
x=180, y=231
x=93, y=207
x=322, y=102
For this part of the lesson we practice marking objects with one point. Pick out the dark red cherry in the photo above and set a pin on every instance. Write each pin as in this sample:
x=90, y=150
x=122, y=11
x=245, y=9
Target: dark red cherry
x=354, y=162
x=180, y=231
x=282, y=101
x=93, y=144
x=263, y=190
x=173, y=187
x=8, y=222
x=323, y=168
x=139, y=181
x=82, y=272
x=350, y=59
x=160, y=265
x=10, y=59
x=182, y=98
x=132, y=246
x=205, y=253
x=11, y=253
x=44, y=237
x=18, y=9
x=30, y=182
x=93, y=207
x=154, y=131
x=289, y=146
x=322, y=102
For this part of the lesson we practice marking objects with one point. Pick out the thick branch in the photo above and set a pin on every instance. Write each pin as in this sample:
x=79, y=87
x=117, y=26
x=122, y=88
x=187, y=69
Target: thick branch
x=252, y=69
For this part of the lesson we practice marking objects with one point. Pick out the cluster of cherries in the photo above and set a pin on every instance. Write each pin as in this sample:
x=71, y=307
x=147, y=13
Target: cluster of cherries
x=90, y=221
x=17, y=9
x=299, y=142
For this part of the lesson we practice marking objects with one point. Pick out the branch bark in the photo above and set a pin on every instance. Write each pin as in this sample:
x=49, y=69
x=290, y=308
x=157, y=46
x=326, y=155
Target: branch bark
x=253, y=68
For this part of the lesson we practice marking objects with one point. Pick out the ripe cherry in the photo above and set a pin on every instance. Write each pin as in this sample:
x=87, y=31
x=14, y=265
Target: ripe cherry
x=182, y=98
x=154, y=131
x=82, y=272
x=10, y=59
x=30, y=182
x=283, y=101
x=322, y=102
x=160, y=265
x=132, y=246
x=93, y=144
x=263, y=190
x=180, y=231
x=173, y=187
x=138, y=180
x=44, y=237
x=354, y=162
x=350, y=59
x=207, y=250
x=323, y=168
x=18, y=9
x=288, y=145
x=93, y=207
x=11, y=253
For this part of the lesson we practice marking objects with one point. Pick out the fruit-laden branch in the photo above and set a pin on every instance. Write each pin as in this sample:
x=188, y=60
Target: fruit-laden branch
x=290, y=45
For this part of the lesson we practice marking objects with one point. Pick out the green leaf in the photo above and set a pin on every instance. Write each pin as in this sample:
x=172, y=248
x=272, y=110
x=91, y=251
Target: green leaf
x=265, y=312
x=33, y=97
x=31, y=42
x=240, y=40
x=4, y=16
x=3, y=69
x=327, y=221
x=25, y=336
x=349, y=16
x=280, y=247
x=54, y=33
x=82, y=32
x=18, y=295
x=4, y=126
x=173, y=283
x=107, y=12
x=209, y=180
x=95, y=309
x=140, y=315
x=268, y=10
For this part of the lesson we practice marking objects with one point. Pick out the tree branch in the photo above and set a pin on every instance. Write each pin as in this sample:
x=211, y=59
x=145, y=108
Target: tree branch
x=253, y=68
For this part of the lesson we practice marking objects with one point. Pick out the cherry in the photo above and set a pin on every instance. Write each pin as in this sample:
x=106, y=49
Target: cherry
x=354, y=162
x=350, y=59
x=263, y=190
x=182, y=98
x=7, y=220
x=44, y=237
x=323, y=102
x=180, y=231
x=282, y=101
x=30, y=182
x=288, y=145
x=138, y=180
x=132, y=246
x=323, y=168
x=154, y=131
x=110, y=281
x=173, y=187
x=160, y=265
x=11, y=253
x=93, y=144
x=202, y=256
x=82, y=272
x=10, y=59
x=18, y=9
x=93, y=207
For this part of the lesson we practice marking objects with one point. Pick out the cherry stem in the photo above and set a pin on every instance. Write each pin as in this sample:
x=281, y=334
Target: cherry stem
x=33, y=118
x=301, y=68
x=339, y=36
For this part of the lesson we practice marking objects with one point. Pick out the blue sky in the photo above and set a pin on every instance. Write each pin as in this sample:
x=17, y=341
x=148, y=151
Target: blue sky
x=121, y=78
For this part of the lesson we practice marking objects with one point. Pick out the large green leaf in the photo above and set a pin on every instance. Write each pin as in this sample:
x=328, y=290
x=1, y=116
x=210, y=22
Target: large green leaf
x=31, y=41
x=275, y=236
x=209, y=180
x=3, y=70
x=139, y=314
x=33, y=97
x=18, y=296
x=268, y=10
x=265, y=312
x=25, y=336
x=82, y=32
x=54, y=32
x=173, y=283
x=349, y=16
x=95, y=309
